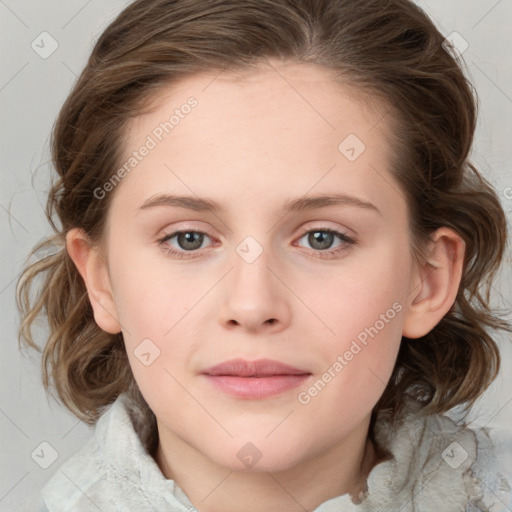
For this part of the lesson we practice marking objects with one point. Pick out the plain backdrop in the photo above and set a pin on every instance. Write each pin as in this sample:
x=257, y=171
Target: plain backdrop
x=33, y=88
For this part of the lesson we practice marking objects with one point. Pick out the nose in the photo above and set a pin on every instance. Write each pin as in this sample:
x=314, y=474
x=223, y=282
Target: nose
x=254, y=299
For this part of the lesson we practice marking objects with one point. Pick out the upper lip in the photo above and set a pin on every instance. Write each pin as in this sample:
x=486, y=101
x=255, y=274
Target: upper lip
x=260, y=367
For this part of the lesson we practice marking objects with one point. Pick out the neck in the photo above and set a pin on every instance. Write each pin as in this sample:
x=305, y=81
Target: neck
x=342, y=469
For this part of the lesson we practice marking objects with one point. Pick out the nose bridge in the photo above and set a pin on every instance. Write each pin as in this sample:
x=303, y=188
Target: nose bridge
x=250, y=269
x=255, y=298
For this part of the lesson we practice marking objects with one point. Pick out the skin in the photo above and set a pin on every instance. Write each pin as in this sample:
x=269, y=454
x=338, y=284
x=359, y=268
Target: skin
x=253, y=142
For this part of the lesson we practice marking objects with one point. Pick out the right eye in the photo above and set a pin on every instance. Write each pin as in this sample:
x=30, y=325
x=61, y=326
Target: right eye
x=178, y=243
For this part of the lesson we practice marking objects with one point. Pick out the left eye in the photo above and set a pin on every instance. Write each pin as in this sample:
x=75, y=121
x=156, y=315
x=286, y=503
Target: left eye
x=323, y=239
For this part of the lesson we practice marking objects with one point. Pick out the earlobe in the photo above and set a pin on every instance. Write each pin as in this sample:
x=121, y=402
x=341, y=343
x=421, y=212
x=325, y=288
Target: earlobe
x=93, y=269
x=436, y=285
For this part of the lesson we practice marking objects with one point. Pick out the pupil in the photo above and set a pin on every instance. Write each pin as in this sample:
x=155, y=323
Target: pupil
x=321, y=239
x=190, y=240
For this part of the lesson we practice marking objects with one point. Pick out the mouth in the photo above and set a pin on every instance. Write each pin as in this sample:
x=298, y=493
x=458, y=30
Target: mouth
x=255, y=379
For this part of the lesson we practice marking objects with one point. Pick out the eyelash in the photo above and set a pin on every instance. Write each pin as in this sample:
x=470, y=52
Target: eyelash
x=327, y=253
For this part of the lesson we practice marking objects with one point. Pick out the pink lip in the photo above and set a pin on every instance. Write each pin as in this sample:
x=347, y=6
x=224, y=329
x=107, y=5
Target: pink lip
x=255, y=379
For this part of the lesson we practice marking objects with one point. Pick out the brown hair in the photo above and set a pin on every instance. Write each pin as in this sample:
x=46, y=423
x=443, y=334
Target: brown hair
x=387, y=49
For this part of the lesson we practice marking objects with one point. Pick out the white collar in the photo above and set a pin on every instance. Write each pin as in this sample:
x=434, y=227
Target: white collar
x=429, y=470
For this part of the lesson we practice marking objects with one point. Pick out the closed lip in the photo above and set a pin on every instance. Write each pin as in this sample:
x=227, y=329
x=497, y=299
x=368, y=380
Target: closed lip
x=259, y=368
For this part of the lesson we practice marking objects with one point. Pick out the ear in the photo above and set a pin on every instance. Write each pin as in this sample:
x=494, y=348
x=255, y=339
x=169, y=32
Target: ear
x=435, y=284
x=92, y=266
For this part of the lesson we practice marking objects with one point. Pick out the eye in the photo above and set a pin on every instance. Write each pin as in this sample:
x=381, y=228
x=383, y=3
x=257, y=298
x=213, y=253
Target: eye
x=322, y=239
x=186, y=243
x=180, y=242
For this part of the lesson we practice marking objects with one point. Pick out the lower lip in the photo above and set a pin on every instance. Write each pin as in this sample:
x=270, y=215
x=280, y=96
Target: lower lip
x=256, y=387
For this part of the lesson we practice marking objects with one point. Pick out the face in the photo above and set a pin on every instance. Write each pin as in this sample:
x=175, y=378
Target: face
x=290, y=243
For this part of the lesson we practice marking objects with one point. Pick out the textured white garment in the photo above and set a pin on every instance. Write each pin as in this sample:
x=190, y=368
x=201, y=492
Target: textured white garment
x=429, y=471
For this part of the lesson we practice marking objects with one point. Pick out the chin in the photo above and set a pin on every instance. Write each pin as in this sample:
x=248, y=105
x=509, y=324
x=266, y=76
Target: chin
x=257, y=457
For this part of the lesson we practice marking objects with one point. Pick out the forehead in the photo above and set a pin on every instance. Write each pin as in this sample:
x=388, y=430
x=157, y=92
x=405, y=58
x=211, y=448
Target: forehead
x=283, y=125
x=290, y=91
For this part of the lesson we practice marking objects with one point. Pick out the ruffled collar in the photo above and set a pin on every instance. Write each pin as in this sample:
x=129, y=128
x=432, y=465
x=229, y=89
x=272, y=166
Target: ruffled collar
x=429, y=468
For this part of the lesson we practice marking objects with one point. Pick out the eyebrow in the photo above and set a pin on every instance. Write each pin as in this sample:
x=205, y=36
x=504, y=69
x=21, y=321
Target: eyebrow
x=300, y=204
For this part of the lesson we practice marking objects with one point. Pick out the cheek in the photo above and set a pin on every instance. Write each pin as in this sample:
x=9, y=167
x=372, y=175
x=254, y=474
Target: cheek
x=158, y=310
x=362, y=307
x=357, y=363
x=151, y=296
x=364, y=288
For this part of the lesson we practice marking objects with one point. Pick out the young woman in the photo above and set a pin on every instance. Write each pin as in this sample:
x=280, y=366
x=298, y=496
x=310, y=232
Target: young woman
x=274, y=254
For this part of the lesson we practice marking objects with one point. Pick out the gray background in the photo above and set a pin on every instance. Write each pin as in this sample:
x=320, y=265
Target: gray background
x=32, y=90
